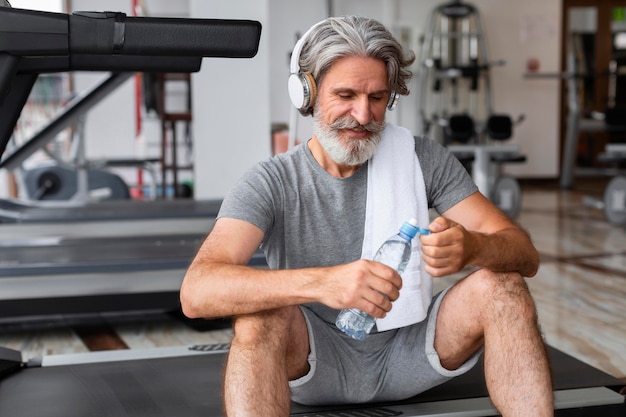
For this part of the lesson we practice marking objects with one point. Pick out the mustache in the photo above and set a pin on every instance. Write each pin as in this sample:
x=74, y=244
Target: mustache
x=349, y=123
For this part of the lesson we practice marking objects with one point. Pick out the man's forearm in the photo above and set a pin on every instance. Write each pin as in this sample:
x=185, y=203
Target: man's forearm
x=222, y=290
x=509, y=250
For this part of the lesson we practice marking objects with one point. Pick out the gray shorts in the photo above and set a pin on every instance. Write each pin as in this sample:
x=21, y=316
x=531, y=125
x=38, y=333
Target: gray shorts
x=386, y=366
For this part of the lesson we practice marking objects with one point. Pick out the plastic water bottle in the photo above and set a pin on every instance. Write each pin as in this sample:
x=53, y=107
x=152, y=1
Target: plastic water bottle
x=395, y=253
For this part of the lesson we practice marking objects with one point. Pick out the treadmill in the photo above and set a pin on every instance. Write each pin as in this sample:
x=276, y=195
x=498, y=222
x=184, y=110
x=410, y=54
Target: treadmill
x=96, y=256
x=186, y=380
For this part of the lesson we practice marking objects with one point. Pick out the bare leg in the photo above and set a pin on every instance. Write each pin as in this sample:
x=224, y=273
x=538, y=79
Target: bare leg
x=268, y=349
x=497, y=310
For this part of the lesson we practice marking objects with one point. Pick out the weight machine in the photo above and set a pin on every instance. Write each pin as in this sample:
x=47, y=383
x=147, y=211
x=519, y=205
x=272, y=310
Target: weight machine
x=612, y=120
x=454, y=73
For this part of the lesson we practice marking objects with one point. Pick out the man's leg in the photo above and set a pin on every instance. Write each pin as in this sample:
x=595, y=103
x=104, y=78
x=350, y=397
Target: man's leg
x=268, y=349
x=498, y=311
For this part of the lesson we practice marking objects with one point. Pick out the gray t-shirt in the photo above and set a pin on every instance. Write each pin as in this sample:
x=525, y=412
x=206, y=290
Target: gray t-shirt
x=311, y=218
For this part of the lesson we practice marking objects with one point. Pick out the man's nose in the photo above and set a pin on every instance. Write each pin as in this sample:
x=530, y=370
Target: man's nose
x=361, y=111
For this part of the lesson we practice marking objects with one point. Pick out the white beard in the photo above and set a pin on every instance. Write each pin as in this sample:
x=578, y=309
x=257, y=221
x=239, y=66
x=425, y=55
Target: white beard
x=347, y=151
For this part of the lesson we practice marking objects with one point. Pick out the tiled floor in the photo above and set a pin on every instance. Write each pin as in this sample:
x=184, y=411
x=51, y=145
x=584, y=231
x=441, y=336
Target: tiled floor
x=580, y=292
x=581, y=286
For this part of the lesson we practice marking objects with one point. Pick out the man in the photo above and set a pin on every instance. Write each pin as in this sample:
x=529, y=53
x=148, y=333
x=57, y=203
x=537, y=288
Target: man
x=307, y=209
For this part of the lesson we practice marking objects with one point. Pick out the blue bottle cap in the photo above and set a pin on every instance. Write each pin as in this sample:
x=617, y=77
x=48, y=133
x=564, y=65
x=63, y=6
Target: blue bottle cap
x=411, y=229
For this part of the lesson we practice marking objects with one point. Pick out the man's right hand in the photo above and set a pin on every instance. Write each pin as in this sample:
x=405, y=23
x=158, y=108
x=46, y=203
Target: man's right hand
x=367, y=285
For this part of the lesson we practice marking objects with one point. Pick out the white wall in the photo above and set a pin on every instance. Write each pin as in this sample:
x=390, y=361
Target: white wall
x=43, y=5
x=231, y=102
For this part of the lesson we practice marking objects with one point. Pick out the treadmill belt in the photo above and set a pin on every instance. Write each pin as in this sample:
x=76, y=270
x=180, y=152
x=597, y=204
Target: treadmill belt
x=110, y=210
x=191, y=386
x=46, y=256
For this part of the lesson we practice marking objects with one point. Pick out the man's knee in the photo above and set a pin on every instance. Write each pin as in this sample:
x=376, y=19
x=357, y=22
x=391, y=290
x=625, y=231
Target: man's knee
x=267, y=326
x=503, y=293
x=279, y=335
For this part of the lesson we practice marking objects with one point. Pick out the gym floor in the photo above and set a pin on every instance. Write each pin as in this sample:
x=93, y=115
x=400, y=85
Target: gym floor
x=580, y=292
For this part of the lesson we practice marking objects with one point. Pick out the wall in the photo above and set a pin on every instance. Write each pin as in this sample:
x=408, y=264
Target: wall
x=231, y=104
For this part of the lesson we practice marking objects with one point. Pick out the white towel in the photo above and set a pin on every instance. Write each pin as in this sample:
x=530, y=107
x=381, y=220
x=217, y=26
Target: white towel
x=396, y=193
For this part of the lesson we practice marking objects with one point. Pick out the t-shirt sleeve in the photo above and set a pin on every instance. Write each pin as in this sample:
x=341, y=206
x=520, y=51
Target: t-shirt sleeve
x=252, y=199
x=446, y=179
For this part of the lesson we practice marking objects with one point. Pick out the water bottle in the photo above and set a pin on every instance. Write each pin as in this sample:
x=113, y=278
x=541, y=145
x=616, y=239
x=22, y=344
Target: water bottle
x=395, y=253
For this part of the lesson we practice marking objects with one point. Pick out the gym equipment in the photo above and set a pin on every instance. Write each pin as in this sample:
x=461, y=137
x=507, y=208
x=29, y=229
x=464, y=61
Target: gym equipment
x=97, y=256
x=456, y=68
x=55, y=182
x=486, y=161
x=130, y=268
x=615, y=200
x=70, y=115
x=75, y=46
x=612, y=120
x=36, y=42
x=187, y=381
x=109, y=256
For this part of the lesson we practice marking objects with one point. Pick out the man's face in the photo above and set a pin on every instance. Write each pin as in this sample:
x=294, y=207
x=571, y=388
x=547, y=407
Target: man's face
x=350, y=109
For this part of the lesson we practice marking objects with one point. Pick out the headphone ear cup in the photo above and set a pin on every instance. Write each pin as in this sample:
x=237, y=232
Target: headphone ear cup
x=393, y=100
x=302, y=90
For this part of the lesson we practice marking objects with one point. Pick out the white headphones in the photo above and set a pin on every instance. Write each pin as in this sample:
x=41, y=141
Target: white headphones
x=302, y=87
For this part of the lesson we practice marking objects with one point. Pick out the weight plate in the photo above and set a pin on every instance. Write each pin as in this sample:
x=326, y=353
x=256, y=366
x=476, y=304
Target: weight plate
x=507, y=195
x=615, y=200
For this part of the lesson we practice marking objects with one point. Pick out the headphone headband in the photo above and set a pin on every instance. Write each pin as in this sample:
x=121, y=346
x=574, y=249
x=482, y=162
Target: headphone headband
x=294, y=67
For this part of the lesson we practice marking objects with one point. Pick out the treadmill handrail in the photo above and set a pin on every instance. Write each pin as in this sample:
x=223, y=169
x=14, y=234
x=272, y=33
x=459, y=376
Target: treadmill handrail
x=34, y=33
x=35, y=42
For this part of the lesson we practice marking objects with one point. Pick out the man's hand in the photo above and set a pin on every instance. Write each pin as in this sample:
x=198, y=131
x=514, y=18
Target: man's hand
x=367, y=285
x=447, y=249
